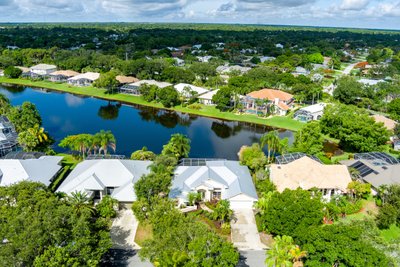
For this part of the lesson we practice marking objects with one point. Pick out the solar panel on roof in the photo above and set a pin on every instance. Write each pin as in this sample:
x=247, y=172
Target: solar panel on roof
x=377, y=155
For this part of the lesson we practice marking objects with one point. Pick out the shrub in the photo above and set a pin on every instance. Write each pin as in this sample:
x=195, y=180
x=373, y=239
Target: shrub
x=195, y=106
x=107, y=207
x=386, y=217
x=12, y=72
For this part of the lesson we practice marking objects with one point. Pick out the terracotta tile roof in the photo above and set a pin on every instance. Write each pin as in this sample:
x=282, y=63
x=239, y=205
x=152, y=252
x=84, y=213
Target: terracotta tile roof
x=283, y=106
x=361, y=65
x=67, y=73
x=126, y=79
x=271, y=94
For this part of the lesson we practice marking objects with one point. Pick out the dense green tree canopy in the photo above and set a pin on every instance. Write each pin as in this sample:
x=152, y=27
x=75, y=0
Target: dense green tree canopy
x=340, y=245
x=40, y=229
x=354, y=128
x=292, y=212
x=348, y=90
x=309, y=139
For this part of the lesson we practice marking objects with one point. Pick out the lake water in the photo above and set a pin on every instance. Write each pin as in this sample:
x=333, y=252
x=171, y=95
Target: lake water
x=136, y=126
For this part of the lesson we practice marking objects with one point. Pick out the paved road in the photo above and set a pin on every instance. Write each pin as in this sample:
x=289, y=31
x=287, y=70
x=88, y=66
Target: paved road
x=349, y=68
x=244, y=231
x=252, y=258
x=124, y=258
x=130, y=258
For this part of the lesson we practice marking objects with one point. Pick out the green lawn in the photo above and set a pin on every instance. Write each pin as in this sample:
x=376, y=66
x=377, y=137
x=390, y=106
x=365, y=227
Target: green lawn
x=206, y=111
x=68, y=164
x=144, y=232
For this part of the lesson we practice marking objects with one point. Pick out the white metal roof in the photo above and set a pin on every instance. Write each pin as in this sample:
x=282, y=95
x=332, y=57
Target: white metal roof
x=198, y=90
x=43, y=67
x=151, y=82
x=315, y=108
x=92, y=76
x=99, y=174
x=37, y=170
x=209, y=95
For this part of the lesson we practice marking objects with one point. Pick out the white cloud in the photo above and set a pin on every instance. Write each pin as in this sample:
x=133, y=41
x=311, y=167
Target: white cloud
x=354, y=4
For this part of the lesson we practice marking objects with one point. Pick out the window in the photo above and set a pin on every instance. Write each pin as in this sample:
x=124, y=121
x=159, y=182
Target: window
x=109, y=191
x=216, y=195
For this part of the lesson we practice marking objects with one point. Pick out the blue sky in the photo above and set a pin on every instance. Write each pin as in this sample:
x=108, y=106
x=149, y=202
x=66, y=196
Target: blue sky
x=383, y=14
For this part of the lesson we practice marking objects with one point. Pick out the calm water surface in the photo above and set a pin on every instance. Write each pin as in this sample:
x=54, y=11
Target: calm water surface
x=135, y=126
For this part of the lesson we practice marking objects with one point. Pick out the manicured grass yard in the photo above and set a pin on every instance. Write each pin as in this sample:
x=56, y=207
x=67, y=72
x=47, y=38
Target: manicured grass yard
x=207, y=111
x=144, y=232
x=68, y=163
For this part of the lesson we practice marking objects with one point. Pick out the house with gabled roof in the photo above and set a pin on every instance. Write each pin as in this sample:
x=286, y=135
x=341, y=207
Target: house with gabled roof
x=214, y=180
x=43, y=170
x=266, y=101
x=307, y=173
x=84, y=79
x=114, y=177
x=62, y=75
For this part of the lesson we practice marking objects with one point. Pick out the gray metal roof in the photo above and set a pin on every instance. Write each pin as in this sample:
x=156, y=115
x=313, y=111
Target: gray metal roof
x=100, y=174
x=376, y=172
x=40, y=170
x=234, y=177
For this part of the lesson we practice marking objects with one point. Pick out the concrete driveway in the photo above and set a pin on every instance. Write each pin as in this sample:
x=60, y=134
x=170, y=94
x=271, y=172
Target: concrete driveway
x=252, y=258
x=244, y=231
x=123, y=230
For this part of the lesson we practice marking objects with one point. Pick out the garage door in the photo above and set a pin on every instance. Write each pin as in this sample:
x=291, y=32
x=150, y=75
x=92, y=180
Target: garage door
x=244, y=204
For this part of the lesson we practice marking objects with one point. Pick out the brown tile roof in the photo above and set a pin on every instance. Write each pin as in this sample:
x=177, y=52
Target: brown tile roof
x=126, y=79
x=307, y=173
x=271, y=94
x=388, y=123
x=361, y=65
x=67, y=73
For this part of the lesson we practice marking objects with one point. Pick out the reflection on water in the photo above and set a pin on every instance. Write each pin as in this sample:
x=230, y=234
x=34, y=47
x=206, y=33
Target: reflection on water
x=137, y=126
x=109, y=111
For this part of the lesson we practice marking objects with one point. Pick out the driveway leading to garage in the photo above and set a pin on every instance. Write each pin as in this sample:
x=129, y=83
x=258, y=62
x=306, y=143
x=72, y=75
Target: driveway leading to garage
x=123, y=230
x=244, y=231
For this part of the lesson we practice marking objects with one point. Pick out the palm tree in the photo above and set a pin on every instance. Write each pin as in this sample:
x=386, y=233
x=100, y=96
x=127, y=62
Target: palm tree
x=223, y=211
x=273, y=143
x=178, y=146
x=105, y=139
x=81, y=203
x=278, y=255
x=262, y=204
x=297, y=254
x=382, y=192
x=39, y=133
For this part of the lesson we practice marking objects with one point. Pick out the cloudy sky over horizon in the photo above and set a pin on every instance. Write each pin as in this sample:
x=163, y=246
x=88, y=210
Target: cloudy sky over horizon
x=384, y=14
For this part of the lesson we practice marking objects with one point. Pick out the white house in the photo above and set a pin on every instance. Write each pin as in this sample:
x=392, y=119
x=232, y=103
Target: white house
x=179, y=62
x=225, y=69
x=43, y=69
x=134, y=88
x=102, y=177
x=310, y=113
x=301, y=71
x=215, y=179
x=43, y=170
x=204, y=58
x=281, y=46
x=370, y=82
x=307, y=173
x=84, y=79
x=206, y=98
x=189, y=90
